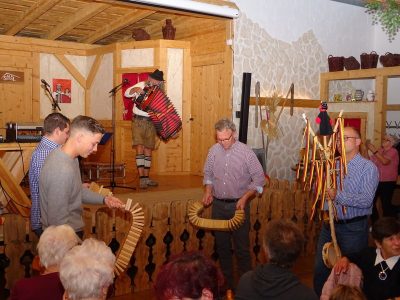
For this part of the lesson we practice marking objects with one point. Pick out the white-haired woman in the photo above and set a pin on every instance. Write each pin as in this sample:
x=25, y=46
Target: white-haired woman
x=386, y=158
x=87, y=271
x=53, y=244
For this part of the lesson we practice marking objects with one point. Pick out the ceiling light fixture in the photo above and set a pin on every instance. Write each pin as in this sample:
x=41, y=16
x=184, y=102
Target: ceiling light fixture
x=193, y=6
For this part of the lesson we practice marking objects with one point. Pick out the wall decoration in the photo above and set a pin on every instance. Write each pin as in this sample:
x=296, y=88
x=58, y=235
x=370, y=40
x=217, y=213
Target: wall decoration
x=11, y=76
x=62, y=90
x=387, y=13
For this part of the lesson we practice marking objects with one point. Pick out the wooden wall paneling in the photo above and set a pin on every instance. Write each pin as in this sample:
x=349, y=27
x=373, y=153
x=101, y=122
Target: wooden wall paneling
x=93, y=70
x=381, y=86
x=16, y=98
x=127, y=153
x=137, y=69
x=103, y=49
x=89, y=82
x=197, y=135
x=178, y=224
x=44, y=46
x=25, y=109
x=208, y=105
x=104, y=224
x=36, y=87
x=309, y=103
x=211, y=88
x=168, y=154
x=186, y=111
x=71, y=68
x=117, y=80
x=122, y=226
x=88, y=222
x=142, y=252
x=14, y=239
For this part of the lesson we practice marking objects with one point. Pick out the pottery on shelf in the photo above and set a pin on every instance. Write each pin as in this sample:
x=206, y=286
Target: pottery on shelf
x=371, y=96
x=359, y=95
x=168, y=30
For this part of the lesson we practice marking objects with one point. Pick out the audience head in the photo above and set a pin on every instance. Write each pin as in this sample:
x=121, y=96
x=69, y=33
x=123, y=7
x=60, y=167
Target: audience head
x=189, y=275
x=54, y=243
x=283, y=243
x=226, y=133
x=389, y=141
x=86, y=134
x=56, y=126
x=346, y=292
x=386, y=233
x=87, y=271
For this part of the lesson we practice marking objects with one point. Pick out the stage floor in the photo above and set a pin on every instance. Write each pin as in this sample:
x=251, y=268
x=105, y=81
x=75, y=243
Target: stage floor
x=165, y=183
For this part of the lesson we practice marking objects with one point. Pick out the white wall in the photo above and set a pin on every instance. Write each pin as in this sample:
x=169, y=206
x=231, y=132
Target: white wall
x=286, y=41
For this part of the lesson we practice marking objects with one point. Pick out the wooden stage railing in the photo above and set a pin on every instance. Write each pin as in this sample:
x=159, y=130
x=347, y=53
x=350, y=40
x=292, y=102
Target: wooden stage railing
x=166, y=231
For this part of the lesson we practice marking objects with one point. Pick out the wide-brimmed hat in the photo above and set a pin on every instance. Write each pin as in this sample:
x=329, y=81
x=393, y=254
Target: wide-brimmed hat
x=157, y=75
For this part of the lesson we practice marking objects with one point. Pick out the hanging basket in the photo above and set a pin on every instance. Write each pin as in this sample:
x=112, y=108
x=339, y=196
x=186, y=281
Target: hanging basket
x=369, y=61
x=390, y=59
x=335, y=63
x=351, y=63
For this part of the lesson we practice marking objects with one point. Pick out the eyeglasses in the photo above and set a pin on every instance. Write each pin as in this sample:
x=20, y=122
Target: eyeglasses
x=225, y=140
x=347, y=137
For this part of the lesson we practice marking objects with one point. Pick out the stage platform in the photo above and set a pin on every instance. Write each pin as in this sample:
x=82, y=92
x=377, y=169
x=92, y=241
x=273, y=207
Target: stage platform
x=165, y=183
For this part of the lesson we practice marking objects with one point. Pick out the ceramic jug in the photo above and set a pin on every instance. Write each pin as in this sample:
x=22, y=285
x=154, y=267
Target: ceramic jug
x=371, y=96
x=359, y=95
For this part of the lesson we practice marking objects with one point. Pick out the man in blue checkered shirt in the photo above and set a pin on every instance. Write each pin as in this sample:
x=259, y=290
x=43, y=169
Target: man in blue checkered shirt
x=55, y=133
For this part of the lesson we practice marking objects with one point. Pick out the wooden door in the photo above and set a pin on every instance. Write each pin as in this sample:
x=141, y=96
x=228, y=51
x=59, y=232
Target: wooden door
x=210, y=102
x=15, y=96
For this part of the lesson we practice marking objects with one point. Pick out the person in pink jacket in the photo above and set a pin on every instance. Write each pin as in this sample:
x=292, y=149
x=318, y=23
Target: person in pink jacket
x=386, y=158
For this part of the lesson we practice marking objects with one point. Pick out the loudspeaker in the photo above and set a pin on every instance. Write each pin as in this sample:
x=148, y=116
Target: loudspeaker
x=244, y=108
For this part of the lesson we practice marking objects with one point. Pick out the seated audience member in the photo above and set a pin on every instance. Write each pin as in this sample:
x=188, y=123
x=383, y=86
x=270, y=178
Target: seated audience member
x=380, y=266
x=87, y=271
x=189, y=275
x=283, y=242
x=53, y=244
x=346, y=292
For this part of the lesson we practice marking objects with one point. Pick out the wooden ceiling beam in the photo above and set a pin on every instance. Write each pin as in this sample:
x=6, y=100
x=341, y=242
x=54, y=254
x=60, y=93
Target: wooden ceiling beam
x=38, y=9
x=126, y=20
x=83, y=14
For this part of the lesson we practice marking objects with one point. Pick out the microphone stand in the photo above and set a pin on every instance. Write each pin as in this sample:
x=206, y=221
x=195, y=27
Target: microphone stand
x=54, y=104
x=113, y=184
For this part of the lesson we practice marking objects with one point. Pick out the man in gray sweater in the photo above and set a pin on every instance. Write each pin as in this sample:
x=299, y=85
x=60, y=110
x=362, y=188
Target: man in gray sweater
x=60, y=184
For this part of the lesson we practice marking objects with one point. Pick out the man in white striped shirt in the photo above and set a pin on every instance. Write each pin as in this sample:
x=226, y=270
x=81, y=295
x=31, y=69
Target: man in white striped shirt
x=232, y=177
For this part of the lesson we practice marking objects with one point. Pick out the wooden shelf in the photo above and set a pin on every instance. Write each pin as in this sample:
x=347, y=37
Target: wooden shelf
x=351, y=102
x=380, y=76
x=361, y=74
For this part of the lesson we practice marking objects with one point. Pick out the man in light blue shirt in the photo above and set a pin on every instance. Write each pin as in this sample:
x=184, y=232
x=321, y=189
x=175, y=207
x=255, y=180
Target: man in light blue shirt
x=353, y=205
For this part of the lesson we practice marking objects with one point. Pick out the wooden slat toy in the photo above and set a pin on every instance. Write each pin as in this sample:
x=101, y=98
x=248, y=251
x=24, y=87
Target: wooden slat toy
x=128, y=246
x=94, y=187
x=196, y=208
x=137, y=223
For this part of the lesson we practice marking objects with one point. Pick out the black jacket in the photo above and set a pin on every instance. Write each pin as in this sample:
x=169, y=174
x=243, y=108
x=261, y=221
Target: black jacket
x=272, y=282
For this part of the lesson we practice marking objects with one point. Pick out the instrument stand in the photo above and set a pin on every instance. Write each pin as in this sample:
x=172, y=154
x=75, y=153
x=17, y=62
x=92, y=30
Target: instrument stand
x=113, y=184
x=54, y=104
